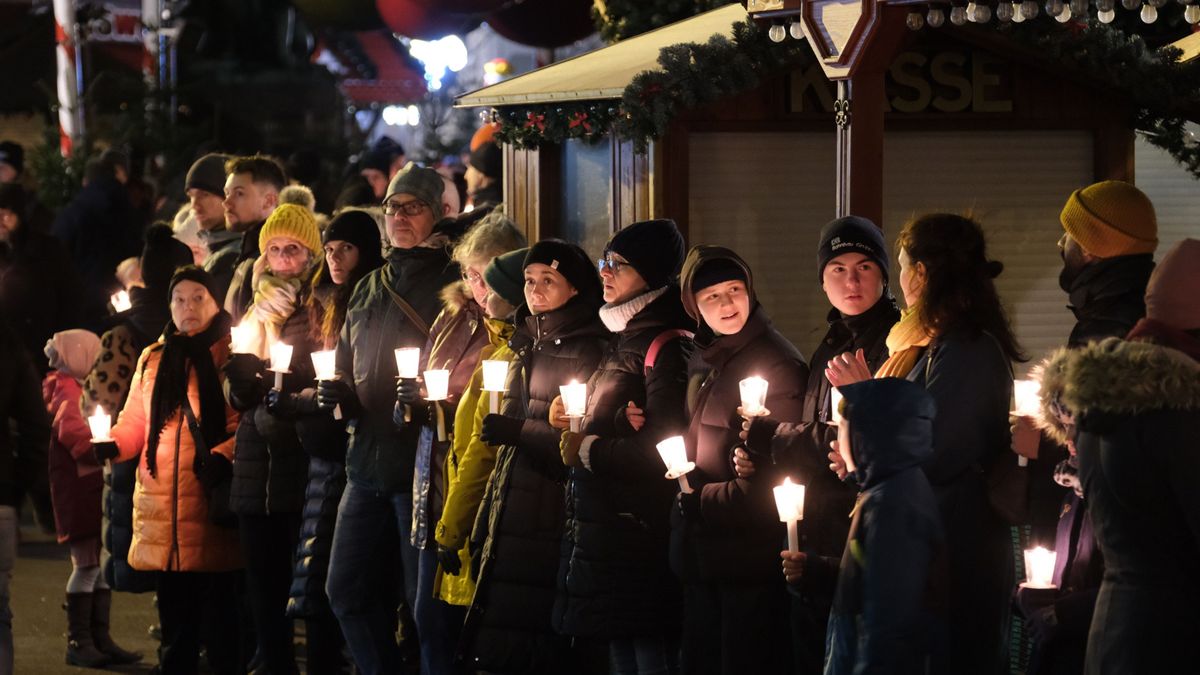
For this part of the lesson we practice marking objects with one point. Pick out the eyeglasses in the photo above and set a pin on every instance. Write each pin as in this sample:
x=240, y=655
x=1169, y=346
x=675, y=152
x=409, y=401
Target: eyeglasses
x=410, y=208
x=472, y=277
x=611, y=265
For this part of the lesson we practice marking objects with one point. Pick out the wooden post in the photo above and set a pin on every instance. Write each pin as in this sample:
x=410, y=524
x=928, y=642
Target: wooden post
x=859, y=118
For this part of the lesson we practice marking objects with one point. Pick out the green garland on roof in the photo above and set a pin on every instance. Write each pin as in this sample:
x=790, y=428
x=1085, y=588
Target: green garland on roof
x=620, y=19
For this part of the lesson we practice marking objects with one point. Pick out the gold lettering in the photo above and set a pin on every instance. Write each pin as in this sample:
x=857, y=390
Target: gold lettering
x=911, y=78
x=813, y=78
x=946, y=69
x=983, y=80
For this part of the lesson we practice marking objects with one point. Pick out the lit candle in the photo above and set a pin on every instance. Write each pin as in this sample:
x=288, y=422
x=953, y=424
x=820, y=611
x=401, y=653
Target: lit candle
x=408, y=362
x=437, y=387
x=494, y=375
x=281, y=360
x=1039, y=568
x=101, y=426
x=835, y=406
x=674, y=455
x=789, y=500
x=754, y=396
x=574, y=396
x=324, y=363
x=239, y=339
x=120, y=301
x=1027, y=397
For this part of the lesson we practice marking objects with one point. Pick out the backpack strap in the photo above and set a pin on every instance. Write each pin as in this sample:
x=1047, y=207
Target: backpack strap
x=661, y=340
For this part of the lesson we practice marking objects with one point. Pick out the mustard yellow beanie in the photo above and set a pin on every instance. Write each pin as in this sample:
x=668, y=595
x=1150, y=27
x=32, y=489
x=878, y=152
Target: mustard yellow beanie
x=1111, y=218
x=294, y=221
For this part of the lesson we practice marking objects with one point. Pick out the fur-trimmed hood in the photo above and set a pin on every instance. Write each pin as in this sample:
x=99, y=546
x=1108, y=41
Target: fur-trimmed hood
x=1114, y=376
x=455, y=297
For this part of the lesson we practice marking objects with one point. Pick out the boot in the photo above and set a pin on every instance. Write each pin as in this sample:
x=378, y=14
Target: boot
x=101, y=606
x=81, y=651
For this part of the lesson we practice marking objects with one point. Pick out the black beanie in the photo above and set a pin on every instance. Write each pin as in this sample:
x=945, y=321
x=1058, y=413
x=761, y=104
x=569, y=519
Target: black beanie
x=12, y=198
x=208, y=174
x=488, y=160
x=716, y=271
x=162, y=255
x=198, y=275
x=570, y=261
x=653, y=247
x=506, y=276
x=359, y=228
x=851, y=234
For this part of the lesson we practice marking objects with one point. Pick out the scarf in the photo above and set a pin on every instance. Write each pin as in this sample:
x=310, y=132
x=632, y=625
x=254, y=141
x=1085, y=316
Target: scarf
x=1066, y=474
x=1152, y=330
x=905, y=342
x=616, y=317
x=275, y=300
x=180, y=355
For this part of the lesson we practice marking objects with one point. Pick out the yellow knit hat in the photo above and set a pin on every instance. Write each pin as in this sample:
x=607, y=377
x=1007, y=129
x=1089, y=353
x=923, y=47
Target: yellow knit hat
x=294, y=221
x=1111, y=218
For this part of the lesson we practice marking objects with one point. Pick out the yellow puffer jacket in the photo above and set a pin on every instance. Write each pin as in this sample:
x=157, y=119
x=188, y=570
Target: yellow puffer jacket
x=469, y=464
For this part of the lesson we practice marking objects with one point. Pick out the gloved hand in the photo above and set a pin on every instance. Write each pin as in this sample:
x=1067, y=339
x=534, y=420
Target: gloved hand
x=689, y=505
x=500, y=430
x=216, y=470
x=568, y=447
x=291, y=405
x=332, y=393
x=758, y=432
x=243, y=369
x=408, y=391
x=1030, y=600
x=1042, y=625
x=105, y=451
x=449, y=560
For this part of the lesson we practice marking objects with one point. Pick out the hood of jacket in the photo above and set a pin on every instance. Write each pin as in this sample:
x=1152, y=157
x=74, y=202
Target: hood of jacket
x=456, y=297
x=1117, y=377
x=696, y=258
x=891, y=427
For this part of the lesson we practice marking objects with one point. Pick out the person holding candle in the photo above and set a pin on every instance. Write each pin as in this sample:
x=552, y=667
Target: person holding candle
x=615, y=583
x=518, y=535
x=889, y=606
x=470, y=461
x=178, y=380
x=76, y=485
x=955, y=340
x=456, y=339
x=1131, y=410
x=726, y=534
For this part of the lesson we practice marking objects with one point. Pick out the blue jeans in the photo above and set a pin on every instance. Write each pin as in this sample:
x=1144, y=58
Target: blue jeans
x=438, y=623
x=363, y=586
x=8, y=557
x=644, y=656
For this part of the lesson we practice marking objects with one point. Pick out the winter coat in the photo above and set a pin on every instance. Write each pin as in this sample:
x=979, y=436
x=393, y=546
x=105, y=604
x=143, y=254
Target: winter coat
x=1136, y=408
x=519, y=529
x=40, y=291
x=887, y=610
x=1108, y=297
x=241, y=283
x=171, y=529
x=614, y=579
x=76, y=482
x=26, y=433
x=456, y=339
x=469, y=464
x=224, y=252
x=738, y=534
x=381, y=456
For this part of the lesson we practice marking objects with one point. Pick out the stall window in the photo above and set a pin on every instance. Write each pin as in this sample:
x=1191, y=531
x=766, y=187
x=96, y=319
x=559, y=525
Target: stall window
x=587, y=202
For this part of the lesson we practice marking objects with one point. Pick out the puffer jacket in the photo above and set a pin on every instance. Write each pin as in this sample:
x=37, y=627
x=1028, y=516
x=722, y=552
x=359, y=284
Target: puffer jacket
x=1136, y=409
x=171, y=529
x=519, y=528
x=381, y=456
x=614, y=579
x=469, y=464
x=76, y=483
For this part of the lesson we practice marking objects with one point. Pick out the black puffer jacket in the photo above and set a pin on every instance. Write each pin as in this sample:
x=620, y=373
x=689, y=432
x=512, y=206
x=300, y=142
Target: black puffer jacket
x=519, y=529
x=738, y=535
x=1108, y=297
x=614, y=579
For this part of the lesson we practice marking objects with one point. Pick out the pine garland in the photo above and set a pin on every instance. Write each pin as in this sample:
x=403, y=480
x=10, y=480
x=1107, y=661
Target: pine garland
x=620, y=19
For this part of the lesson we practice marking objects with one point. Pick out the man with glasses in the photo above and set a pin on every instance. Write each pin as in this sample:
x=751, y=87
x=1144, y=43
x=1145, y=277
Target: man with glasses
x=391, y=307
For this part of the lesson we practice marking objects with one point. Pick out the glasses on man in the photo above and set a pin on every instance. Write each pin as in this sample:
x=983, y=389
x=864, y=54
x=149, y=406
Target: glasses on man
x=410, y=208
x=610, y=264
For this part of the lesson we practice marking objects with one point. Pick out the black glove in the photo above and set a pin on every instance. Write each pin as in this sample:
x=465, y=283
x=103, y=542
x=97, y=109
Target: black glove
x=408, y=391
x=448, y=557
x=500, y=430
x=105, y=451
x=332, y=393
x=689, y=505
x=243, y=369
x=1030, y=601
x=216, y=470
x=758, y=439
x=1042, y=625
x=291, y=405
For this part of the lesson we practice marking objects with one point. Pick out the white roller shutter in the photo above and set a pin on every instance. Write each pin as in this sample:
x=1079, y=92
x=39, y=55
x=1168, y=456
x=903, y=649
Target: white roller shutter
x=1174, y=191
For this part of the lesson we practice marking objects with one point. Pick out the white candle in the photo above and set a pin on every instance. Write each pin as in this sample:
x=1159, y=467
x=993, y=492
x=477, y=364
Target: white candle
x=1027, y=397
x=754, y=396
x=674, y=455
x=281, y=360
x=495, y=373
x=101, y=426
x=835, y=405
x=789, y=500
x=408, y=362
x=437, y=385
x=324, y=363
x=120, y=301
x=574, y=396
x=1039, y=568
x=239, y=338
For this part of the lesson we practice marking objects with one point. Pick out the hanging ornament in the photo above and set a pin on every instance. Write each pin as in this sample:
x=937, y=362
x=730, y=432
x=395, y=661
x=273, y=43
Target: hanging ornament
x=1192, y=14
x=936, y=17
x=777, y=32
x=1029, y=9
x=1054, y=7
x=1106, y=17
x=1149, y=14
x=914, y=21
x=1004, y=11
x=958, y=15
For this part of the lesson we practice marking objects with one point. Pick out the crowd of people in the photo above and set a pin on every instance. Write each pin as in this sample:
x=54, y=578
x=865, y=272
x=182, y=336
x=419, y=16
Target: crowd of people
x=425, y=518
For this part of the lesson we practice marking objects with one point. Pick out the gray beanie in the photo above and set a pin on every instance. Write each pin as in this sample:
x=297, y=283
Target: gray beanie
x=208, y=174
x=424, y=184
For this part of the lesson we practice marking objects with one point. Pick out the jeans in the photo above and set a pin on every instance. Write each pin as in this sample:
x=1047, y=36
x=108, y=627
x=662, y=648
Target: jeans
x=655, y=655
x=8, y=557
x=364, y=588
x=180, y=595
x=269, y=546
x=438, y=623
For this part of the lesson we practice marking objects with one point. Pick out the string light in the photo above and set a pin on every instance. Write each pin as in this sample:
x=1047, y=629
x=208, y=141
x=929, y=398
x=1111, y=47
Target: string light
x=1029, y=9
x=914, y=21
x=936, y=17
x=777, y=32
x=795, y=29
x=958, y=15
x=1149, y=13
x=1054, y=7
x=1192, y=14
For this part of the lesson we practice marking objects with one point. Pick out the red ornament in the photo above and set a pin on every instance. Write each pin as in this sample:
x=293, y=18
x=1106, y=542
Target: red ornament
x=545, y=23
x=416, y=19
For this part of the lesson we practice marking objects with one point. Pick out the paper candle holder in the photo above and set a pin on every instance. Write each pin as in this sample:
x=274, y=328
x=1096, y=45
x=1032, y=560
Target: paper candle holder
x=100, y=425
x=754, y=396
x=835, y=405
x=325, y=364
x=789, y=501
x=437, y=385
x=1039, y=568
x=120, y=301
x=574, y=396
x=495, y=375
x=1027, y=397
x=408, y=362
x=239, y=338
x=674, y=454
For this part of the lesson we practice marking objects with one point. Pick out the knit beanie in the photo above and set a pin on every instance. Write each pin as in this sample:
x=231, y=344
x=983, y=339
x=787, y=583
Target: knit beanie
x=294, y=221
x=197, y=275
x=12, y=198
x=653, y=247
x=73, y=352
x=570, y=261
x=13, y=155
x=851, y=234
x=1171, y=294
x=506, y=276
x=717, y=271
x=424, y=184
x=486, y=133
x=706, y=265
x=208, y=174
x=1111, y=218
x=359, y=228
x=488, y=160
x=162, y=254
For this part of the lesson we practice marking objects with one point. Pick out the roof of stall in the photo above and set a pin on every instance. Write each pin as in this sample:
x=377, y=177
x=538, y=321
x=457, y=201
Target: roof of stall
x=604, y=73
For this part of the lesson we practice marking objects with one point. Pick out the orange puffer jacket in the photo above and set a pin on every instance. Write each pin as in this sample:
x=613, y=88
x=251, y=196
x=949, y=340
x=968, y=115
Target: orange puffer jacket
x=171, y=530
